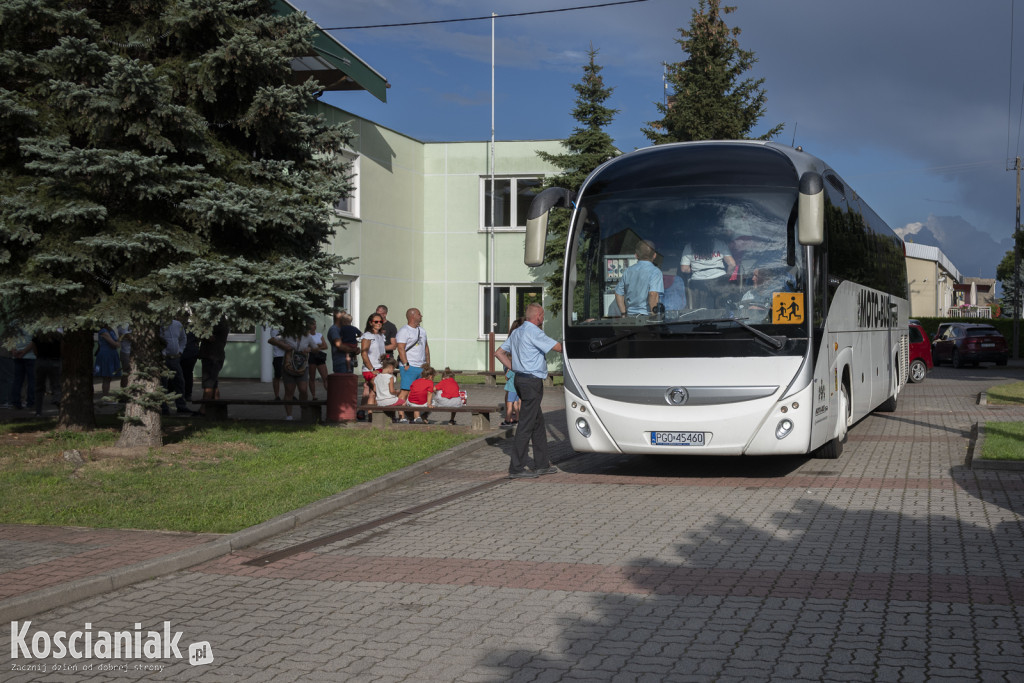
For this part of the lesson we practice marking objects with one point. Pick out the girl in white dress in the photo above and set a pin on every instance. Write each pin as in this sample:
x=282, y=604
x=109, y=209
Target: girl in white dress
x=384, y=383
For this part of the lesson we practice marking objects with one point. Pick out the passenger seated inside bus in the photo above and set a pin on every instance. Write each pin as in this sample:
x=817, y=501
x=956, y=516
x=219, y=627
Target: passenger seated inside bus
x=675, y=292
x=756, y=302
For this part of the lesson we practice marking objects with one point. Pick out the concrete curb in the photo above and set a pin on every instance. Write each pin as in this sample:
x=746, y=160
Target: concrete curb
x=975, y=462
x=28, y=604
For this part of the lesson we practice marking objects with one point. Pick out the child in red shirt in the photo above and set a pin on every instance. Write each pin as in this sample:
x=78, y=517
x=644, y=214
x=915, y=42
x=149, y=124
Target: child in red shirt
x=450, y=395
x=421, y=393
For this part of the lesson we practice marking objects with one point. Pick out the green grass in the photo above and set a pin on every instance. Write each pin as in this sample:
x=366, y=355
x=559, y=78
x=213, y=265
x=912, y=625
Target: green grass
x=217, y=478
x=1004, y=441
x=1006, y=393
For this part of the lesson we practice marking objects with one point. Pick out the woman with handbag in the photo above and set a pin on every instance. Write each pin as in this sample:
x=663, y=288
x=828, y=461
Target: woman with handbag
x=295, y=366
x=317, y=360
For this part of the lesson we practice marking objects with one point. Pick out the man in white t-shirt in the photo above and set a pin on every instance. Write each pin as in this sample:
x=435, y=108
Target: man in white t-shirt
x=413, y=350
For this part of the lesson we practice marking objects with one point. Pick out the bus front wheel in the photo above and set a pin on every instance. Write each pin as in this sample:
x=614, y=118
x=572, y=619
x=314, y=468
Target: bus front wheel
x=834, y=448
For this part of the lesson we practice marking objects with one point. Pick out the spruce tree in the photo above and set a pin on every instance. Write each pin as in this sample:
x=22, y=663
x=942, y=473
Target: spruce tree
x=156, y=160
x=1005, y=275
x=588, y=147
x=708, y=100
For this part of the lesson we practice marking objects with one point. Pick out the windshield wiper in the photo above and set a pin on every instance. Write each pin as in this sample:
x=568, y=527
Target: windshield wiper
x=774, y=342
x=598, y=344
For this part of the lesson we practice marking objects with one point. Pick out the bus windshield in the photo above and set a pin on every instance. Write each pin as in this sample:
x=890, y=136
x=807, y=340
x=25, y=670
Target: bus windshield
x=671, y=256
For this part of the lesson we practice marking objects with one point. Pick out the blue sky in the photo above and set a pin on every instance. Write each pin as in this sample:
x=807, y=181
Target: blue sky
x=915, y=103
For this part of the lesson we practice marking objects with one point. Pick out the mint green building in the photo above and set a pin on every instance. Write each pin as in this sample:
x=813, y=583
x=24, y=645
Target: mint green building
x=417, y=226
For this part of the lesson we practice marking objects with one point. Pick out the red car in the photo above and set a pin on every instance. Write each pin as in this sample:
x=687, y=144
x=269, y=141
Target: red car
x=920, y=352
x=963, y=343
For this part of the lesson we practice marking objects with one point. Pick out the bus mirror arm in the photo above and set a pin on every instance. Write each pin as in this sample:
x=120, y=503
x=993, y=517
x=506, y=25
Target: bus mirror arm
x=537, y=221
x=811, y=209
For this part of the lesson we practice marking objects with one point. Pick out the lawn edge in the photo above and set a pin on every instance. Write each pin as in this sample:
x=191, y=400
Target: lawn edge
x=976, y=462
x=28, y=604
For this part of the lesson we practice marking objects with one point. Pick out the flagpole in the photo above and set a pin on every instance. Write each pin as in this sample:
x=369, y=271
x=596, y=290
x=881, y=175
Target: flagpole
x=491, y=313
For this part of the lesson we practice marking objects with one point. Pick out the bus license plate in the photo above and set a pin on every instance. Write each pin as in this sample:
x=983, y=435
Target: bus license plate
x=677, y=438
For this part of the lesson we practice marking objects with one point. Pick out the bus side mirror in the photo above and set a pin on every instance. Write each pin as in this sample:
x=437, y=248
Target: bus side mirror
x=537, y=222
x=811, y=209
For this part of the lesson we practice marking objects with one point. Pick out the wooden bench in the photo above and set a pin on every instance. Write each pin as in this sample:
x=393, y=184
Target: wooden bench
x=490, y=376
x=217, y=408
x=481, y=413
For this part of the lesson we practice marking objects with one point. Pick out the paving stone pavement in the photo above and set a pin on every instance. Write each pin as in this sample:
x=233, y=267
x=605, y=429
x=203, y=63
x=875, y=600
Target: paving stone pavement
x=894, y=563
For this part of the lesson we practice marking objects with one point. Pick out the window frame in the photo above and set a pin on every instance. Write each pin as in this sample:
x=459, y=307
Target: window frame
x=483, y=300
x=239, y=336
x=485, y=180
x=353, y=200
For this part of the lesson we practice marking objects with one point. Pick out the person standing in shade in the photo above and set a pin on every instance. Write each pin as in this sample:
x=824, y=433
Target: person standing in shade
x=413, y=350
x=175, y=339
x=108, y=360
x=343, y=340
x=189, y=358
x=318, y=359
x=297, y=379
x=277, y=360
x=47, y=348
x=524, y=351
x=642, y=285
x=124, y=333
x=212, y=354
x=24, y=372
x=6, y=376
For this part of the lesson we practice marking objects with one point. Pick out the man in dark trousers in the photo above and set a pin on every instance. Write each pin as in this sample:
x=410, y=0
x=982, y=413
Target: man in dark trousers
x=524, y=352
x=47, y=348
x=212, y=354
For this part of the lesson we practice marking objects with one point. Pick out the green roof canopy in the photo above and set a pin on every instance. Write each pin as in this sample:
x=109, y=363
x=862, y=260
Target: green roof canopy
x=332, y=64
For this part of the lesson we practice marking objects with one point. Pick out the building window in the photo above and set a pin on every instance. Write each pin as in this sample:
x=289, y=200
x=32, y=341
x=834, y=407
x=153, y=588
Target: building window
x=512, y=197
x=510, y=302
x=243, y=335
x=349, y=206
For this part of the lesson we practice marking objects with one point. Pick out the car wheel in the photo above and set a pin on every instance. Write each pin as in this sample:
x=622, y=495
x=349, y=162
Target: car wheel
x=1001, y=362
x=918, y=370
x=957, y=363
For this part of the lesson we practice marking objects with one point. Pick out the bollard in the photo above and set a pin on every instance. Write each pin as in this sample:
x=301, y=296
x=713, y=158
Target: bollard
x=342, y=396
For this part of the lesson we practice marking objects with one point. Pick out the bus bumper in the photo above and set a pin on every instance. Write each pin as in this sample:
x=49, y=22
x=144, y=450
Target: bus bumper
x=766, y=426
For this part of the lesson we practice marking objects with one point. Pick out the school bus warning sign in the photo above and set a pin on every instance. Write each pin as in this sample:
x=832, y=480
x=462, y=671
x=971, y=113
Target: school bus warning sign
x=787, y=308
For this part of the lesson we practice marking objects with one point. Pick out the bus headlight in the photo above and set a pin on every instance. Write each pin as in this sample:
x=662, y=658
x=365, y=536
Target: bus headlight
x=582, y=427
x=783, y=429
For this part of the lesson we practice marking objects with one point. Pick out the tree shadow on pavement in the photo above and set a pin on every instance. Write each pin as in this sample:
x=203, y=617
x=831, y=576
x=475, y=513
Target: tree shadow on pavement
x=820, y=591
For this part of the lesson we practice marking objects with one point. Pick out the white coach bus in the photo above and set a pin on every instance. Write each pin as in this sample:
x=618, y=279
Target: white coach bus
x=782, y=315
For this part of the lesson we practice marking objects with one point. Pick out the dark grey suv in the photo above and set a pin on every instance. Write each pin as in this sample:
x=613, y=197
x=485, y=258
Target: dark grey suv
x=969, y=343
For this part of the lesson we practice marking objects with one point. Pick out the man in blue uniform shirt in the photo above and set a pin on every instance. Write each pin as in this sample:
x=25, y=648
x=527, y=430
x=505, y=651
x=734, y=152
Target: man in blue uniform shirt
x=642, y=284
x=524, y=352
